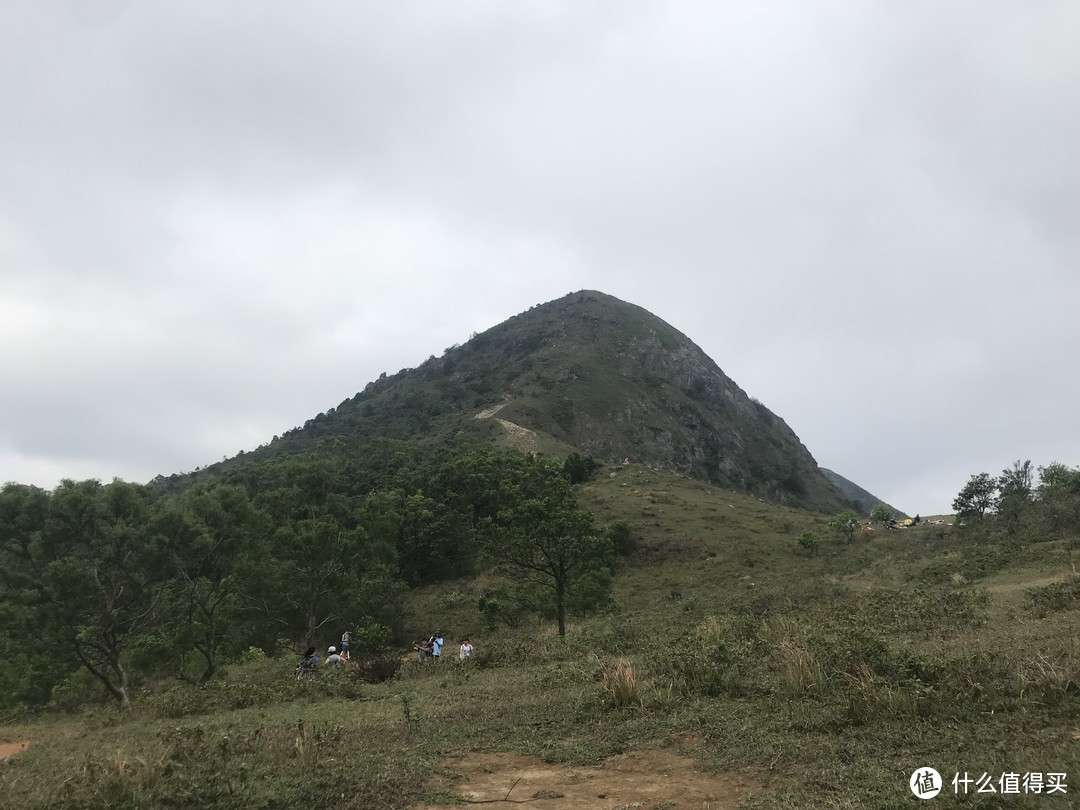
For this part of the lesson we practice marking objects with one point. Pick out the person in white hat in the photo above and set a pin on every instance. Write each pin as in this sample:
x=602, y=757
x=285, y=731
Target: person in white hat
x=333, y=660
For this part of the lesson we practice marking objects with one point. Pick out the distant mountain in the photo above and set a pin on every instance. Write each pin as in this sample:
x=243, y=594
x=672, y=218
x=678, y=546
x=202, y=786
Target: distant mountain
x=591, y=373
x=864, y=501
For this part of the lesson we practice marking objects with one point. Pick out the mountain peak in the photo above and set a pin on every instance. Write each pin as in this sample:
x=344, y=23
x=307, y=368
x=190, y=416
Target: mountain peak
x=591, y=373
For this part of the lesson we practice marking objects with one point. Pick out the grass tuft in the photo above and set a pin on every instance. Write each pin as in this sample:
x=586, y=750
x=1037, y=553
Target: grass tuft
x=619, y=684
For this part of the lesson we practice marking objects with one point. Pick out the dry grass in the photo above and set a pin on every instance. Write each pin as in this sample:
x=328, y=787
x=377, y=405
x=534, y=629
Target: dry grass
x=620, y=684
x=800, y=671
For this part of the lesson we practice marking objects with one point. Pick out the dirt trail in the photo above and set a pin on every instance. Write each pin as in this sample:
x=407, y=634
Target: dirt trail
x=640, y=780
x=487, y=413
x=521, y=438
x=10, y=749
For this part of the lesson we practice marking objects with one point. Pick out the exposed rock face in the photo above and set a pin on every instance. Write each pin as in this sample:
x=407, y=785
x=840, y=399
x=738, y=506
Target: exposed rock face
x=618, y=382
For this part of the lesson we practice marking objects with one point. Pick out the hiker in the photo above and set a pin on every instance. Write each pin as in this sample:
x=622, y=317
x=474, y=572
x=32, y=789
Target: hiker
x=308, y=665
x=436, y=644
x=345, y=645
x=465, y=650
x=333, y=660
x=423, y=649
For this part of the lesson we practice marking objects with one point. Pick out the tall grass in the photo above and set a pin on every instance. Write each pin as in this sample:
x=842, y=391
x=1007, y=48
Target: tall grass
x=800, y=671
x=619, y=684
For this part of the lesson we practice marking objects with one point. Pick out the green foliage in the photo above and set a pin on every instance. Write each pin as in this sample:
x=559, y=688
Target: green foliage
x=845, y=524
x=85, y=568
x=1057, y=510
x=545, y=539
x=1058, y=478
x=579, y=468
x=882, y=513
x=510, y=604
x=824, y=677
x=622, y=539
x=370, y=639
x=976, y=498
x=214, y=536
x=252, y=654
x=808, y=541
x=1057, y=596
x=711, y=660
x=836, y=669
x=1016, y=482
x=378, y=667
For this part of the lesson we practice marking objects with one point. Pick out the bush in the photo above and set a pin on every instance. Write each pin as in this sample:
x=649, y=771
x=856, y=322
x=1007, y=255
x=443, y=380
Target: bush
x=854, y=649
x=484, y=659
x=379, y=667
x=252, y=654
x=809, y=541
x=1051, y=598
x=370, y=638
x=712, y=660
x=79, y=689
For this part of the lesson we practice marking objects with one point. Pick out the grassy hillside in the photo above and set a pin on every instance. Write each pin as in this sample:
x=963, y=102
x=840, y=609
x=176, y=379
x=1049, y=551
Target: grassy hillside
x=788, y=679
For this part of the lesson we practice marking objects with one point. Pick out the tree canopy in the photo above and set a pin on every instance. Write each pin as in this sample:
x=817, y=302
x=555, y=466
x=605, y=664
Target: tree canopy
x=136, y=580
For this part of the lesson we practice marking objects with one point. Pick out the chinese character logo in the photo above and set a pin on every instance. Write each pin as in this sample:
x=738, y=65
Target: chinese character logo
x=925, y=783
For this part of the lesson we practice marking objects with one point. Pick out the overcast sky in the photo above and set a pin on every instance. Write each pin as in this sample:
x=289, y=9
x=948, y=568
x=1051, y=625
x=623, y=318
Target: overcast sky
x=219, y=219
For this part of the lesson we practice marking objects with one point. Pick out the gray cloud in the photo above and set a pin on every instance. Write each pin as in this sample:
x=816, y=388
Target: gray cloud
x=217, y=220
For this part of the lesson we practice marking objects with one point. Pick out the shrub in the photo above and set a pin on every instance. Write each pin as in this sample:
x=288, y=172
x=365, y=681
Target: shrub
x=855, y=649
x=1057, y=596
x=710, y=660
x=379, y=667
x=252, y=654
x=808, y=541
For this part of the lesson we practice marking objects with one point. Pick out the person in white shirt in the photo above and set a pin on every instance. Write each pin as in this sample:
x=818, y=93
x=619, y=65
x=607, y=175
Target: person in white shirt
x=465, y=650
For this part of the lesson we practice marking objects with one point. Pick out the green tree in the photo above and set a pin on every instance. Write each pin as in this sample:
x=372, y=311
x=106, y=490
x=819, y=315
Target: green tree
x=1058, y=505
x=844, y=524
x=545, y=539
x=809, y=541
x=1058, y=478
x=579, y=468
x=316, y=570
x=882, y=513
x=976, y=498
x=314, y=564
x=622, y=539
x=1016, y=492
x=433, y=542
x=99, y=574
x=25, y=675
x=214, y=534
x=1017, y=481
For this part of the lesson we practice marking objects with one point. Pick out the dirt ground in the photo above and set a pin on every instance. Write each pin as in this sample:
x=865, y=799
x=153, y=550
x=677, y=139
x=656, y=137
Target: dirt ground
x=10, y=749
x=640, y=780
